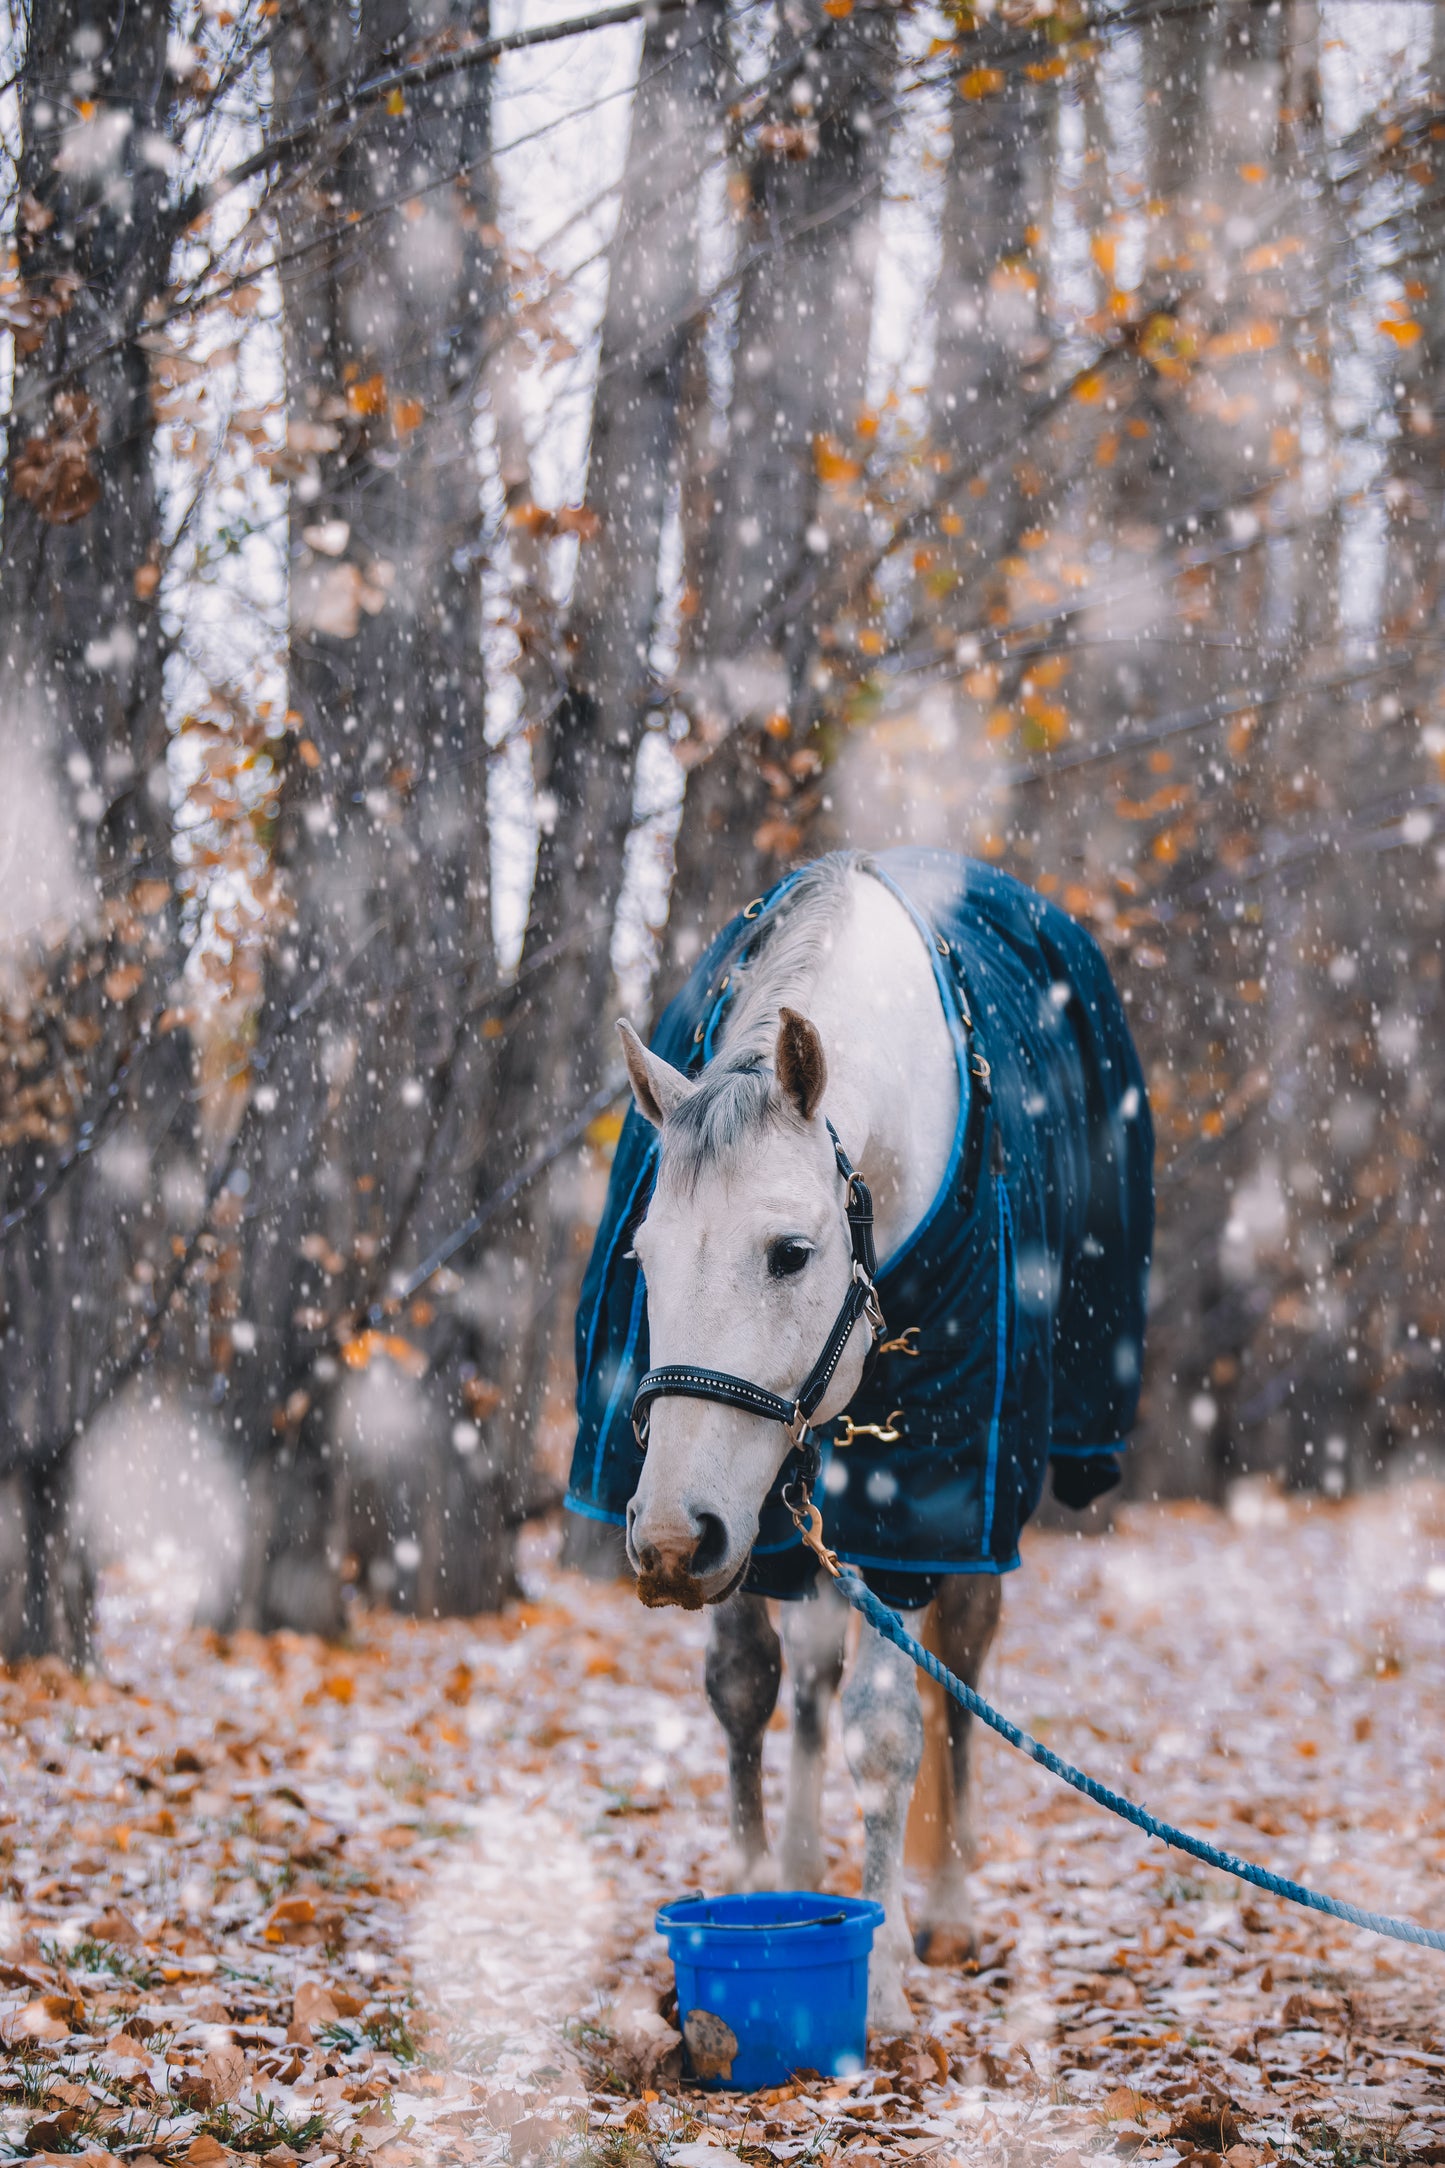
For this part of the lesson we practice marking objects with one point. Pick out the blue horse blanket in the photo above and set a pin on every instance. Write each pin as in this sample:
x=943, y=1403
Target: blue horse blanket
x=1025, y=1284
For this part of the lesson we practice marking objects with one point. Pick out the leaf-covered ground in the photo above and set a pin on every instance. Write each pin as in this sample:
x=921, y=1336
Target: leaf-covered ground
x=393, y=1902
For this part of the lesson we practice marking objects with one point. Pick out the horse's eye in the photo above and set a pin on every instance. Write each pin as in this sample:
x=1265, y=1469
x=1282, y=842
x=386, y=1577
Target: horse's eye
x=787, y=1256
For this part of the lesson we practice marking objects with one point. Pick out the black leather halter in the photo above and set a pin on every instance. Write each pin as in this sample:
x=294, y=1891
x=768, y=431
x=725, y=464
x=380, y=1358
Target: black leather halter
x=690, y=1381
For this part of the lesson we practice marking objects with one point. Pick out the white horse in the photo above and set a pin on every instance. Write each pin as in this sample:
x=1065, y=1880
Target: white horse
x=746, y=1253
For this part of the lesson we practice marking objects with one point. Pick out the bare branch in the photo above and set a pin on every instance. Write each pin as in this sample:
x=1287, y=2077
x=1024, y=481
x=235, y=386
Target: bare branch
x=398, y=81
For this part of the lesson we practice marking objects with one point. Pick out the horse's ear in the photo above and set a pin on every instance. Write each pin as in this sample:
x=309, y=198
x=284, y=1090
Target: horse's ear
x=802, y=1069
x=656, y=1086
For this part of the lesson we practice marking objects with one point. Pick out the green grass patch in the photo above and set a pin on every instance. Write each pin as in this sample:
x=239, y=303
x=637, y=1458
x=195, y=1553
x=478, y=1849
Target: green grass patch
x=90, y=1956
x=390, y=2033
x=256, y=2130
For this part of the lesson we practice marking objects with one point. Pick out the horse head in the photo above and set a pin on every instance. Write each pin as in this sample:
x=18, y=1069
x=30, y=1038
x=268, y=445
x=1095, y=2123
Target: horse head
x=746, y=1255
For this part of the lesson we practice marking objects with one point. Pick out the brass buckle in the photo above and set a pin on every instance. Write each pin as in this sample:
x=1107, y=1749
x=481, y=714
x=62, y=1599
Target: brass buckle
x=886, y=1433
x=797, y=1429
x=872, y=1307
x=903, y=1345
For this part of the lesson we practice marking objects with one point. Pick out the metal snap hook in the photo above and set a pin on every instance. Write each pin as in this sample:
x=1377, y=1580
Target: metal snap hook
x=886, y=1433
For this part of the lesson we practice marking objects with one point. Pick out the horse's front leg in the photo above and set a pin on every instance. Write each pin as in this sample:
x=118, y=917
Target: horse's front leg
x=966, y=1617
x=814, y=1629
x=744, y=1665
x=883, y=1740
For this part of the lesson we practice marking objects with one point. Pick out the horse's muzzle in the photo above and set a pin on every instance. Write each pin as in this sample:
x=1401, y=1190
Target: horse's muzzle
x=665, y=1583
x=667, y=1577
x=679, y=1556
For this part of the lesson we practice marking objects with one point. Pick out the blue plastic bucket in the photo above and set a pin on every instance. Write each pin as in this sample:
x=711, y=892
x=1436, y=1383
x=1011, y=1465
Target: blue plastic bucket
x=771, y=1983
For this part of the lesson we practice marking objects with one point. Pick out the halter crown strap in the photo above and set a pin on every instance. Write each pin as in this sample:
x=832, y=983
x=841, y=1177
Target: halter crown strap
x=692, y=1381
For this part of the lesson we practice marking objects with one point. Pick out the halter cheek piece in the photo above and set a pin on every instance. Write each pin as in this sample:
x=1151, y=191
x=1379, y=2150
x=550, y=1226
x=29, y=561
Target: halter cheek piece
x=690, y=1381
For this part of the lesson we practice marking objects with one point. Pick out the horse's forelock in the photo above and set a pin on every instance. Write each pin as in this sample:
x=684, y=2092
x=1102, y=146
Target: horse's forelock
x=730, y=1106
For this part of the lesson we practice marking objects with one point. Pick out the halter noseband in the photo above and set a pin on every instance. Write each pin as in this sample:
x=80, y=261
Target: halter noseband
x=690, y=1381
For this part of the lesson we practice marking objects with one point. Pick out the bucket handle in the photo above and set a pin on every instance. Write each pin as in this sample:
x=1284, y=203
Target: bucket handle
x=754, y=1927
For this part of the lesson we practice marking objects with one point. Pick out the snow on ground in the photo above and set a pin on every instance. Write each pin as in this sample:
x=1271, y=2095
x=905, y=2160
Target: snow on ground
x=394, y=1901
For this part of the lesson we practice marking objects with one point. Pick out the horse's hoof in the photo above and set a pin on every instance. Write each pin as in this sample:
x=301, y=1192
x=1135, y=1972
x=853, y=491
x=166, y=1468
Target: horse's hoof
x=948, y=1947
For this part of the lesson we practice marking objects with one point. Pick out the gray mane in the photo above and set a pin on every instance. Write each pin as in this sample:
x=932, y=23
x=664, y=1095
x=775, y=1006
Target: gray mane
x=736, y=1098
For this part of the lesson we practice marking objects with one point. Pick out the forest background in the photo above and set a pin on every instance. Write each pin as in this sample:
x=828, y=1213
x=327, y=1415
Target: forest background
x=487, y=490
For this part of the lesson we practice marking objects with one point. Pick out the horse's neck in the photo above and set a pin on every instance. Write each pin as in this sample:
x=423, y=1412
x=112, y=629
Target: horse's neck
x=892, y=1077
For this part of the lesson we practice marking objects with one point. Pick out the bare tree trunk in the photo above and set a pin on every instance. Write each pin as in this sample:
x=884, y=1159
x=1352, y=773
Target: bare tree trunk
x=804, y=321
x=990, y=333
x=85, y=818
x=373, y=1087
x=1200, y=1037
x=552, y=1057
x=1357, y=888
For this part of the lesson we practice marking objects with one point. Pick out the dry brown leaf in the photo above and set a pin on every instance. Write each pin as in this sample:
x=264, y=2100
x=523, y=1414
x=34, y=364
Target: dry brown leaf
x=480, y=1397
x=293, y=1911
x=1205, y=2123
x=224, y=2070
x=51, y=2131
x=206, y=2152
x=53, y=472
x=787, y=139
x=545, y=521
x=50, y=2017
x=832, y=464
x=124, y=981
x=361, y=1350
x=367, y=396
x=780, y=838
x=27, y=310
x=114, y=1926
x=314, y=2005
x=127, y=2049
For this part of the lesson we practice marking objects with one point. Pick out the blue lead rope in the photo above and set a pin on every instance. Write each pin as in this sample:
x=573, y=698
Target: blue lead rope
x=892, y=1628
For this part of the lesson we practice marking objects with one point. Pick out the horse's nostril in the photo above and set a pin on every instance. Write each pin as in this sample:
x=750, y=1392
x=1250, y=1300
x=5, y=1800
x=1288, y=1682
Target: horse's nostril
x=712, y=1544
